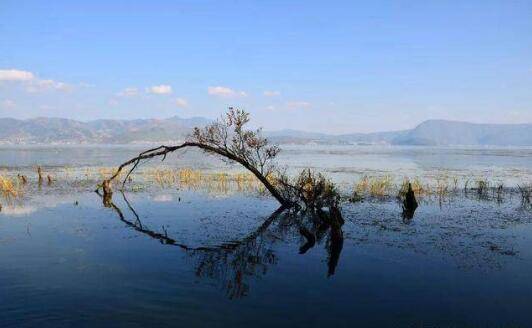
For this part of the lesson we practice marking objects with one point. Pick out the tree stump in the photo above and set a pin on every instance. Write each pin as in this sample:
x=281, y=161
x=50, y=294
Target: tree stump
x=39, y=173
x=107, y=193
x=409, y=203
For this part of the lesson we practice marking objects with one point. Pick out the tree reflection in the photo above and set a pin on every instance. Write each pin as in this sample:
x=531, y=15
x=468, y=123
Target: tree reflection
x=234, y=263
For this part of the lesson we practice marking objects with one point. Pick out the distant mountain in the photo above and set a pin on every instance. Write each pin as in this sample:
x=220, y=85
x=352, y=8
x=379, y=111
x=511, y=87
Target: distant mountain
x=441, y=132
x=64, y=131
x=301, y=137
x=432, y=132
x=428, y=133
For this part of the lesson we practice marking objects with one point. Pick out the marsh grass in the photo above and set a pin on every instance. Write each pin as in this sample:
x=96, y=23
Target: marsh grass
x=375, y=186
x=526, y=194
x=11, y=187
x=441, y=187
x=221, y=182
x=482, y=186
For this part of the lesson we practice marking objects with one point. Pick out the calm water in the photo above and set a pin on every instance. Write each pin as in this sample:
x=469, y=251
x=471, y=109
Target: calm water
x=189, y=258
x=345, y=164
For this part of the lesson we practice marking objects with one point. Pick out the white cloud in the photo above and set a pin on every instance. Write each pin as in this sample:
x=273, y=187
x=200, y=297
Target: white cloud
x=269, y=93
x=181, y=102
x=43, y=85
x=270, y=107
x=128, y=92
x=297, y=104
x=31, y=82
x=15, y=75
x=8, y=104
x=225, y=92
x=160, y=89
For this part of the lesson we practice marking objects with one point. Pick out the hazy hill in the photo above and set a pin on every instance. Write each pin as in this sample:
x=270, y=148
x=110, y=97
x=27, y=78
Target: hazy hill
x=441, y=132
x=428, y=133
x=57, y=130
x=432, y=132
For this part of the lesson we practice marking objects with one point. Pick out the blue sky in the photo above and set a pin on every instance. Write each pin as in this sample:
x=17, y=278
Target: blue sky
x=318, y=66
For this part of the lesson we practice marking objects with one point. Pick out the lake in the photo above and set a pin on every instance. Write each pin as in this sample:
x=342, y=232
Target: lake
x=219, y=254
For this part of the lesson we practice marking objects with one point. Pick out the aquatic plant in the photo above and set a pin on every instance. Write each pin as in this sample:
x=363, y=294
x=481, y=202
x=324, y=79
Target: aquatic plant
x=526, y=193
x=482, y=186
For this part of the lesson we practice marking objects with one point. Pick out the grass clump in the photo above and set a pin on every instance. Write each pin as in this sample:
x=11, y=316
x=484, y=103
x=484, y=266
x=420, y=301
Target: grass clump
x=417, y=187
x=526, y=193
x=10, y=188
x=375, y=186
x=219, y=182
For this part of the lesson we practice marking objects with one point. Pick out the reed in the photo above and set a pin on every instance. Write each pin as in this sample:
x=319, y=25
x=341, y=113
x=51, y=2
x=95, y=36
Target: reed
x=438, y=186
x=526, y=193
x=375, y=186
x=10, y=188
x=482, y=186
x=221, y=182
x=417, y=187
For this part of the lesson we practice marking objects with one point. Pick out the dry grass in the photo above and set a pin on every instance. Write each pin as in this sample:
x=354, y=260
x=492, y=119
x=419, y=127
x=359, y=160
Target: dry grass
x=13, y=186
x=417, y=187
x=375, y=186
x=439, y=186
x=10, y=188
x=194, y=179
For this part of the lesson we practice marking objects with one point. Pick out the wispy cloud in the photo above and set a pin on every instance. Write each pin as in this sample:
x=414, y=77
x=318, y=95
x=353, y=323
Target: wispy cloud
x=128, y=92
x=298, y=105
x=181, y=102
x=162, y=89
x=7, y=104
x=15, y=75
x=31, y=81
x=225, y=92
x=44, y=85
x=270, y=93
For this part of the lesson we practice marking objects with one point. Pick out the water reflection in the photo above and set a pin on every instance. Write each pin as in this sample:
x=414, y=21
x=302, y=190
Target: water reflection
x=235, y=262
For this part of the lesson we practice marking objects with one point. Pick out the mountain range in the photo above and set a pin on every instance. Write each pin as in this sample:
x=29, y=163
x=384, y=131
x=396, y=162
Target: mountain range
x=431, y=133
x=64, y=131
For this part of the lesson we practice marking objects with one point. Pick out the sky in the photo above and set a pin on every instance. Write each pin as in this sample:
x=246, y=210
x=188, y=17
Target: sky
x=324, y=66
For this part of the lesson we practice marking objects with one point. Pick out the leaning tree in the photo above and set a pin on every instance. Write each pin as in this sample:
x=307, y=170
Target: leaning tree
x=228, y=138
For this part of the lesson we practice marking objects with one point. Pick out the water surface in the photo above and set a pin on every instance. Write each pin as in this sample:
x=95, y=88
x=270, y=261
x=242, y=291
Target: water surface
x=177, y=257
